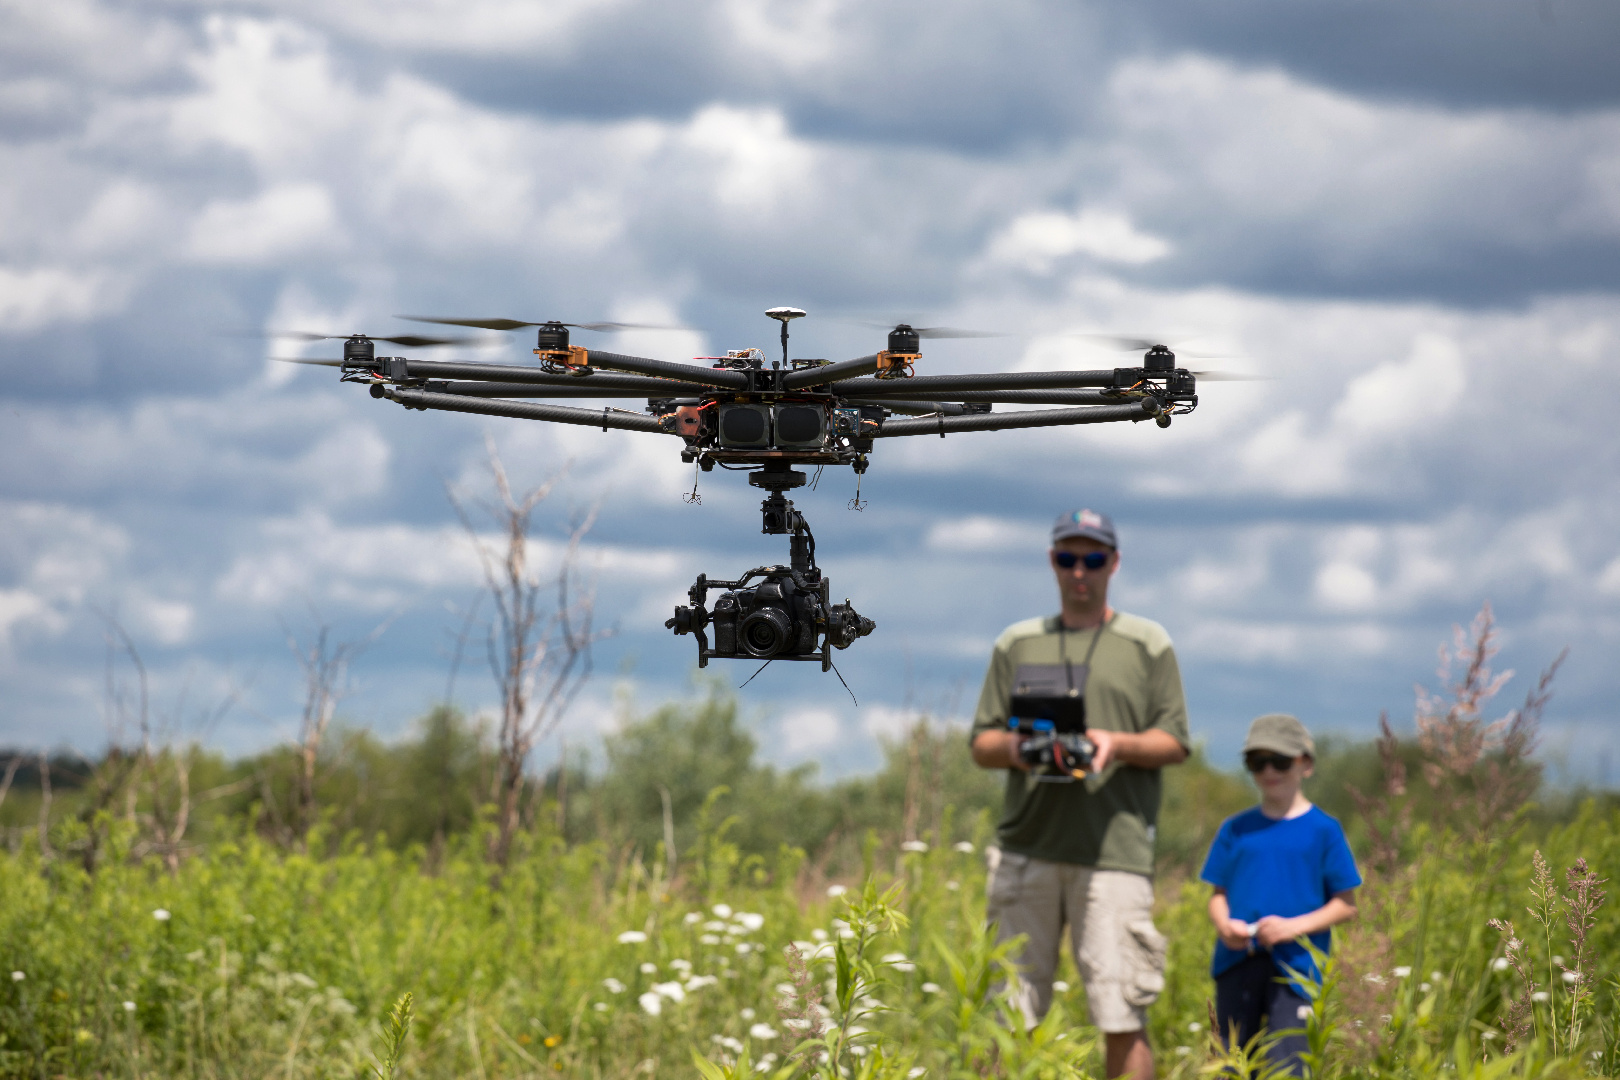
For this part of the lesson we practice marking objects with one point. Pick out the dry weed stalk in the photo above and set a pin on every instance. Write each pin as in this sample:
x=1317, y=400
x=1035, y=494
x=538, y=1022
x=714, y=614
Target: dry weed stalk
x=1516, y=1022
x=539, y=654
x=802, y=1012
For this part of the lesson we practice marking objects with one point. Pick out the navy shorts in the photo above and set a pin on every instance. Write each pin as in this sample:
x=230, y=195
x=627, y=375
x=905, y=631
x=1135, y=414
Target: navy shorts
x=1251, y=997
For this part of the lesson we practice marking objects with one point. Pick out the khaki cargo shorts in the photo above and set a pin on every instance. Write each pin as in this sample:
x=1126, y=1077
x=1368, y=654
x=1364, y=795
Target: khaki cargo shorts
x=1119, y=952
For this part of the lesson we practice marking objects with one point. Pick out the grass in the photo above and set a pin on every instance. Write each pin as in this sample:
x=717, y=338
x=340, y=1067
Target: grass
x=252, y=961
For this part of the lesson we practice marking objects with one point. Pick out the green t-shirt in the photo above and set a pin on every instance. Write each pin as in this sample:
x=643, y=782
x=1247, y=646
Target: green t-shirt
x=1107, y=821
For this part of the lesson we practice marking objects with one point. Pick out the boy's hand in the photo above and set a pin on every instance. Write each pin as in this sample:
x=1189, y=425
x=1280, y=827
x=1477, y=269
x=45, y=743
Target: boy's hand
x=1235, y=934
x=1274, y=929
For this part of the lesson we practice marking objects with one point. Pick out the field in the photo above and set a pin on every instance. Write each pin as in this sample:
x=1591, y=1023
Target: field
x=633, y=925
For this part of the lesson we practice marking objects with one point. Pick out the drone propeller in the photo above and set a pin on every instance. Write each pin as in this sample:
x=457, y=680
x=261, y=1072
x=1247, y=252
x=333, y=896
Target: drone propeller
x=938, y=332
x=1129, y=343
x=1232, y=376
x=321, y=362
x=518, y=324
x=408, y=340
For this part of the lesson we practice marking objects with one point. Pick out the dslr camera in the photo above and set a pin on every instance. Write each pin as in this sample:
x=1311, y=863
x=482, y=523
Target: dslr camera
x=1049, y=713
x=789, y=613
x=785, y=616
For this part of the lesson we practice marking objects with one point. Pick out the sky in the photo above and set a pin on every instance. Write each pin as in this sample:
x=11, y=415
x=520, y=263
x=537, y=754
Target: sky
x=1403, y=215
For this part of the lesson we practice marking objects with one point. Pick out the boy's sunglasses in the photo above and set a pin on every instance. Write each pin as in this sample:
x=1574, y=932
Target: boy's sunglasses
x=1092, y=560
x=1279, y=762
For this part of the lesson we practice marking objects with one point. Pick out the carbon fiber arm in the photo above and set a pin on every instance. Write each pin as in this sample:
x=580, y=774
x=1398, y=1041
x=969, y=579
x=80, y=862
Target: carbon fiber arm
x=927, y=386
x=940, y=425
x=526, y=410
x=845, y=369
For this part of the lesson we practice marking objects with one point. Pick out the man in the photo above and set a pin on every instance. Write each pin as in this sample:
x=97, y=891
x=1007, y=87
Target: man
x=1081, y=853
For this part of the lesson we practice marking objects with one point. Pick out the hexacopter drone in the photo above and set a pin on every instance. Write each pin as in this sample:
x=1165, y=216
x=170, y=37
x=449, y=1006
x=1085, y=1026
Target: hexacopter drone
x=743, y=412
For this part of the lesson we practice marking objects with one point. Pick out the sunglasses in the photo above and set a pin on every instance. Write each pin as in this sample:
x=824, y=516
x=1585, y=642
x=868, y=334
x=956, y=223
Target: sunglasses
x=1091, y=560
x=1256, y=762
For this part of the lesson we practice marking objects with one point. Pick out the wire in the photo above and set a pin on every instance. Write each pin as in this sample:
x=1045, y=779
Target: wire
x=767, y=664
x=816, y=479
x=840, y=675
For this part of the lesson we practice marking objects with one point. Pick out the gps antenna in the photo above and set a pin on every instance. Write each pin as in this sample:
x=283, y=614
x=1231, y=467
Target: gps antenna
x=784, y=315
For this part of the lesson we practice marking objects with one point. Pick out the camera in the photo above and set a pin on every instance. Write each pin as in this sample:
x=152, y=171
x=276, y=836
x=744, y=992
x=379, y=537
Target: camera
x=1048, y=709
x=785, y=616
x=788, y=614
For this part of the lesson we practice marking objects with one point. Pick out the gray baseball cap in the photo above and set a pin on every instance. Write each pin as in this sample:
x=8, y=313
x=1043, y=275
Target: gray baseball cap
x=1087, y=523
x=1281, y=733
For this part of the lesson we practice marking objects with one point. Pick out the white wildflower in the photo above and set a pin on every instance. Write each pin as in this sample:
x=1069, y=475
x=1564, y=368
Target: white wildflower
x=846, y=933
x=1435, y=976
x=1183, y=1051
x=649, y=969
x=1402, y=972
x=764, y=1064
x=1195, y=1027
x=672, y=990
x=1500, y=964
x=819, y=934
x=651, y=1003
x=17, y=976
x=930, y=988
x=600, y=1006
x=1539, y=995
x=1487, y=1035
x=708, y=939
x=1572, y=977
x=692, y=918
x=916, y=1071
x=762, y=1031
x=744, y=948
x=722, y=910
x=1374, y=978
x=698, y=982
x=1423, y=988
x=715, y=926
x=1559, y=960
x=751, y=920
x=681, y=965
x=964, y=846
x=1303, y=1012
x=786, y=988
x=837, y=890
x=734, y=1045
x=797, y=1026
x=614, y=986
x=632, y=937
x=917, y=846
x=1060, y=986
x=129, y=1006
x=161, y=914
x=747, y=1014
x=858, y=1051
x=952, y=886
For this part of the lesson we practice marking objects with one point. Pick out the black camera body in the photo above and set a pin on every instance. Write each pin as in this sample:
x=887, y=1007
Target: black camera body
x=785, y=616
x=773, y=612
x=1048, y=711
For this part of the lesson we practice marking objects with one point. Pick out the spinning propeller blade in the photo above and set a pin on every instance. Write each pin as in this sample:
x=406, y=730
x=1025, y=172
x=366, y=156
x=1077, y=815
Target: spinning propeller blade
x=321, y=362
x=408, y=340
x=937, y=332
x=518, y=324
x=1130, y=343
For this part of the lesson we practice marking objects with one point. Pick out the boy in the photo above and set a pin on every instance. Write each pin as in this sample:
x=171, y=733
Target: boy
x=1282, y=871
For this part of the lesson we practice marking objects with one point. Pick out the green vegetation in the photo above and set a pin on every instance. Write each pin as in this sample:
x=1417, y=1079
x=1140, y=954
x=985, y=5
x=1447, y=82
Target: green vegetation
x=685, y=910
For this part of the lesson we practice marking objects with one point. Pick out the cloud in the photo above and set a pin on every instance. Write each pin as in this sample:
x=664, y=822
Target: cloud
x=289, y=220
x=1035, y=242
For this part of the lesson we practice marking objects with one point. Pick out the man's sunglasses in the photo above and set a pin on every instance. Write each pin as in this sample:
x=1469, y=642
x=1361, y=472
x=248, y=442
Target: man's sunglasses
x=1092, y=560
x=1279, y=762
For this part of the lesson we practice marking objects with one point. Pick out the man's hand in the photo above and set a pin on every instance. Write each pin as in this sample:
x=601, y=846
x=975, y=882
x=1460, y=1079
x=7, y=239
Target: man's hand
x=1274, y=930
x=1151, y=749
x=998, y=750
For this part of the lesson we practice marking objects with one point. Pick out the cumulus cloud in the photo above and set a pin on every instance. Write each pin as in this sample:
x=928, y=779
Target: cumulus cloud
x=1426, y=278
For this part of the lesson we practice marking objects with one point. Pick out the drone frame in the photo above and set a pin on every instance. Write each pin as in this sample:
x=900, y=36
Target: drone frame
x=861, y=400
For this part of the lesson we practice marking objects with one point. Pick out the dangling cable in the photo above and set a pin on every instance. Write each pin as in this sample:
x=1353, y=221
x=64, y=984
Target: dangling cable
x=765, y=665
x=840, y=675
x=856, y=503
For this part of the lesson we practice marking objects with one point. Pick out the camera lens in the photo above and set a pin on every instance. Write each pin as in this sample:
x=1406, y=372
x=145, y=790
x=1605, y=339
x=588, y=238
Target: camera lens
x=766, y=632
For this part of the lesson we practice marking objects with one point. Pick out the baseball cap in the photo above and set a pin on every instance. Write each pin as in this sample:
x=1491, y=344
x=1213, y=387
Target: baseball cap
x=1281, y=733
x=1087, y=523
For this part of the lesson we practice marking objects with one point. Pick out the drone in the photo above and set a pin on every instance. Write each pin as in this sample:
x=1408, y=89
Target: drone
x=768, y=418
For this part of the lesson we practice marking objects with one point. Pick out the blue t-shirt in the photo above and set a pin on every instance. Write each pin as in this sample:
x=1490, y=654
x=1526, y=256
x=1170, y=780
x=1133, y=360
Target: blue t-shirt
x=1288, y=868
